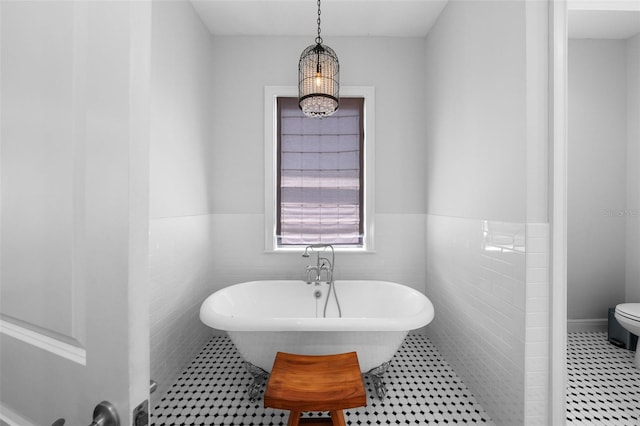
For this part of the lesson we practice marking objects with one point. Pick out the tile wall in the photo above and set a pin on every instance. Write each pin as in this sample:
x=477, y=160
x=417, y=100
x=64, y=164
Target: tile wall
x=491, y=299
x=240, y=255
x=180, y=265
x=537, y=324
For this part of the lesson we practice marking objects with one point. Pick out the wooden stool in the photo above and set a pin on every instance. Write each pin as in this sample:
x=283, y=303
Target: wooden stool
x=315, y=383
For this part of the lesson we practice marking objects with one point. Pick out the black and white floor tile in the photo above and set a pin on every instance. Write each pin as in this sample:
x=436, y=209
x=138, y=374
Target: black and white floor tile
x=422, y=390
x=604, y=386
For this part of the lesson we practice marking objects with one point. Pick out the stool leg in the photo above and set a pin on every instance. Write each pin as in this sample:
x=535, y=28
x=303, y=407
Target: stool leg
x=337, y=418
x=294, y=418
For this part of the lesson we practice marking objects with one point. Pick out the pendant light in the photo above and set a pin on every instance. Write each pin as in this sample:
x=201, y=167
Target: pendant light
x=318, y=79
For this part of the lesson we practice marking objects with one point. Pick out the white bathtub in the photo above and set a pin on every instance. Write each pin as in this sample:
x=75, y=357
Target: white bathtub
x=264, y=317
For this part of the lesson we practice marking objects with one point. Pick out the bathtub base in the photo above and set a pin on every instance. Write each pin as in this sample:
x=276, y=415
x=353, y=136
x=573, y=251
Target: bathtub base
x=375, y=374
x=259, y=381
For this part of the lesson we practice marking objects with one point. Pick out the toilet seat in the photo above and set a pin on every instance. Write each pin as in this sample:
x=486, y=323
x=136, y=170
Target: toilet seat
x=630, y=311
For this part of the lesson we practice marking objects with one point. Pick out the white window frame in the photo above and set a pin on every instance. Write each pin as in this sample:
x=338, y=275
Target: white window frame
x=271, y=95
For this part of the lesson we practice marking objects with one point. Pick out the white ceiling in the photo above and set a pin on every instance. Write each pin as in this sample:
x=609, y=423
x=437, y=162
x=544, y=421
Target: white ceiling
x=613, y=19
x=609, y=19
x=393, y=18
x=613, y=24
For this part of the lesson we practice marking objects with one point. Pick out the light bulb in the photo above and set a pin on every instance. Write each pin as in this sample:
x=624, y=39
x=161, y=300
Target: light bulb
x=318, y=79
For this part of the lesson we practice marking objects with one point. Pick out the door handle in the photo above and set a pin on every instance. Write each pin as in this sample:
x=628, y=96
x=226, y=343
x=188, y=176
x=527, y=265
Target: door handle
x=105, y=414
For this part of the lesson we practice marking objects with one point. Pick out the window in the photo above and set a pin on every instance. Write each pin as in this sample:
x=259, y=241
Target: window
x=318, y=173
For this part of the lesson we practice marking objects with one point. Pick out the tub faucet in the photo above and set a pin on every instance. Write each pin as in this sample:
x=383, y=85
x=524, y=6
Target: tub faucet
x=316, y=278
x=322, y=263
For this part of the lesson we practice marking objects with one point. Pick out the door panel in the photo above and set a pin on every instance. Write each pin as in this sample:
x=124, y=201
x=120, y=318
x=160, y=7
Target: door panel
x=74, y=209
x=37, y=171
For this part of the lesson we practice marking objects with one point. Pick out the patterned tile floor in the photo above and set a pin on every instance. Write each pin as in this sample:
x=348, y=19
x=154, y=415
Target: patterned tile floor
x=604, y=386
x=422, y=389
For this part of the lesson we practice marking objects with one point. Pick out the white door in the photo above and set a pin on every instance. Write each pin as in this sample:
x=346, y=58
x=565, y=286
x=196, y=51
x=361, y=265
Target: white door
x=74, y=209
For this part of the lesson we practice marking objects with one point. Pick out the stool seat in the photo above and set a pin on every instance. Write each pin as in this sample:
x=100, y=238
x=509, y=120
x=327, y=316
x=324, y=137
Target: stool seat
x=315, y=383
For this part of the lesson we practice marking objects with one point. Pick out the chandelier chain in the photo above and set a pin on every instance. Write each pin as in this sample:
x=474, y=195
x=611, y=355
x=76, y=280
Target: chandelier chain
x=319, y=39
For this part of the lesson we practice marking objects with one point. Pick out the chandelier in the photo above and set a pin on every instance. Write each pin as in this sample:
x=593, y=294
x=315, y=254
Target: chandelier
x=318, y=78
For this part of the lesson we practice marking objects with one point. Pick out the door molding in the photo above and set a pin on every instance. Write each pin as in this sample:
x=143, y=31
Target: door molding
x=558, y=117
x=12, y=418
x=41, y=339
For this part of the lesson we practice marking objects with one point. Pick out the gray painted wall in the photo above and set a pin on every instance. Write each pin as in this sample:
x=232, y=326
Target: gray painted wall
x=597, y=176
x=632, y=277
x=180, y=242
x=243, y=67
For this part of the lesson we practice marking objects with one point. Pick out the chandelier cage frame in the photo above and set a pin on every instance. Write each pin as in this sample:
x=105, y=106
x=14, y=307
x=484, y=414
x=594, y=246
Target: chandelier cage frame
x=318, y=78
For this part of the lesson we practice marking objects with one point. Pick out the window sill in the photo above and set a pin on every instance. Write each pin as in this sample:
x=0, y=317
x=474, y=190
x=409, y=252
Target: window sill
x=300, y=249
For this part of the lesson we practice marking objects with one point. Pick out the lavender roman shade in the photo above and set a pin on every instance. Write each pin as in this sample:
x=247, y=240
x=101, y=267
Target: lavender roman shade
x=320, y=175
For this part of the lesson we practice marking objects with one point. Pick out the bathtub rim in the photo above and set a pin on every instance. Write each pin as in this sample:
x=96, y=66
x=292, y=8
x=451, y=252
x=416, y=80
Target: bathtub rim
x=218, y=321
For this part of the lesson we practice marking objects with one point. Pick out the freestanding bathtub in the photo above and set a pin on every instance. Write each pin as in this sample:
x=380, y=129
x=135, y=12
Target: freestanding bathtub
x=264, y=317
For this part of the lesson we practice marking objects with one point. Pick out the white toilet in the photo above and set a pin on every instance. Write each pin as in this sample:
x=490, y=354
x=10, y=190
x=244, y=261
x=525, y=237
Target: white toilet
x=628, y=315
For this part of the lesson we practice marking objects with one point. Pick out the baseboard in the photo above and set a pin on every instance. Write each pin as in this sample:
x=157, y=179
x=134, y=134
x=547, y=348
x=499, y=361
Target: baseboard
x=586, y=325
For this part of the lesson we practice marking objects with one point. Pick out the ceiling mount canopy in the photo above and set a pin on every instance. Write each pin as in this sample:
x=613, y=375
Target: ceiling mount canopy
x=318, y=78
